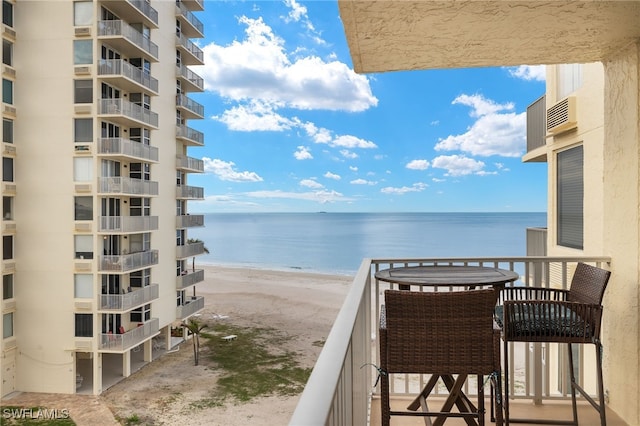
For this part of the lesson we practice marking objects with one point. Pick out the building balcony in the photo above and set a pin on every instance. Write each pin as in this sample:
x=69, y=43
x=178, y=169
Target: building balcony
x=128, y=301
x=135, y=11
x=189, y=107
x=121, y=148
x=125, y=263
x=126, y=76
x=129, y=339
x=190, y=53
x=127, y=186
x=536, y=132
x=189, y=136
x=189, y=164
x=191, y=306
x=190, y=26
x=189, y=250
x=185, y=192
x=189, y=80
x=127, y=40
x=189, y=278
x=341, y=392
x=127, y=113
x=197, y=5
x=127, y=224
x=189, y=221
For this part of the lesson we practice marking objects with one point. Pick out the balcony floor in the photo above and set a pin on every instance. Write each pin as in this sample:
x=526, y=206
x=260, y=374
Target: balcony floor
x=518, y=408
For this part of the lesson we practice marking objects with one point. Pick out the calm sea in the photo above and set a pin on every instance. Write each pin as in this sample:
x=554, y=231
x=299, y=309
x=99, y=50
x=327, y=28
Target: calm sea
x=336, y=243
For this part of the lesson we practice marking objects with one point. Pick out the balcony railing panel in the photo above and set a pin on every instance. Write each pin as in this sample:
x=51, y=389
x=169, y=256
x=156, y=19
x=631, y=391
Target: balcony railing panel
x=124, y=342
x=189, y=220
x=188, y=250
x=189, y=136
x=129, y=301
x=191, y=108
x=127, y=186
x=193, y=81
x=134, y=11
x=327, y=395
x=190, y=192
x=192, y=306
x=134, y=39
x=189, y=163
x=132, y=113
x=125, y=224
x=128, y=262
x=124, y=69
x=189, y=279
x=193, y=54
x=188, y=19
x=536, y=126
x=127, y=148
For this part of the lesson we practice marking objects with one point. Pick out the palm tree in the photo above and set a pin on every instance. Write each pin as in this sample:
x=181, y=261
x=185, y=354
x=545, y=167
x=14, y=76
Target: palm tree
x=194, y=241
x=195, y=327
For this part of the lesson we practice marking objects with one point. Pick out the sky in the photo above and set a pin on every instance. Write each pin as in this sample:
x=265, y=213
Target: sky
x=290, y=127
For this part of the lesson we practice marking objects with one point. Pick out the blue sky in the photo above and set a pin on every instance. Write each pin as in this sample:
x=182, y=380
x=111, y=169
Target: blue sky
x=290, y=127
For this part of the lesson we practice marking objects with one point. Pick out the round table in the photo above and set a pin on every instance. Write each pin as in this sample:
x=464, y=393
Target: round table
x=446, y=275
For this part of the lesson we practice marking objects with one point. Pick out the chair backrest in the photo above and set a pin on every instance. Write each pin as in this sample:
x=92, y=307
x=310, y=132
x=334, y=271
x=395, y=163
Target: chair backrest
x=440, y=332
x=588, y=284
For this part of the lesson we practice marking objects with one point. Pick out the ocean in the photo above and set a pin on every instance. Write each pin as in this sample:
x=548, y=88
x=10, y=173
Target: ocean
x=336, y=243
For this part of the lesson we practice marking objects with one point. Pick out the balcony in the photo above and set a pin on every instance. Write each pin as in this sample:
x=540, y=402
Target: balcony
x=129, y=339
x=189, y=107
x=124, y=263
x=340, y=392
x=194, y=4
x=536, y=132
x=135, y=11
x=127, y=40
x=189, y=136
x=190, y=307
x=127, y=186
x=127, y=224
x=126, y=76
x=189, y=164
x=127, y=113
x=190, y=26
x=185, y=192
x=128, y=301
x=190, y=53
x=189, y=80
x=121, y=148
x=189, y=279
x=189, y=250
x=189, y=221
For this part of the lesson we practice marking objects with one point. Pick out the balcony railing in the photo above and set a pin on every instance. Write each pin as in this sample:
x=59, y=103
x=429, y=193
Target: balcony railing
x=128, y=262
x=189, y=279
x=191, y=249
x=193, y=54
x=128, y=301
x=192, y=306
x=190, y=108
x=191, y=26
x=189, y=220
x=135, y=11
x=123, y=342
x=127, y=224
x=127, y=186
x=339, y=391
x=128, y=40
x=128, y=112
x=131, y=78
x=190, y=164
x=190, y=192
x=191, y=82
x=189, y=136
x=126, y=148
x=194, y=4
x=537, y=129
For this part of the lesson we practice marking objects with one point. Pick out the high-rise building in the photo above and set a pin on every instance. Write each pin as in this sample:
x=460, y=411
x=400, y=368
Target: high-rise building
x=96, y=259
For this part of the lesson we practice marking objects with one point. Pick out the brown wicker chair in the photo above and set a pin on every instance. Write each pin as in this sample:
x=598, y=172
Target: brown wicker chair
x=443, y=334
x=561, y=316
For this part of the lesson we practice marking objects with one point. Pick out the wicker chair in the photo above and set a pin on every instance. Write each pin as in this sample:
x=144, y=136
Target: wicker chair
x=443, y=334
x=561, y=316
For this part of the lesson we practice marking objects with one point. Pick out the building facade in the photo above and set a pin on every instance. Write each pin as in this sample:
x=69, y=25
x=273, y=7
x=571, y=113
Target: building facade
x=96, y=255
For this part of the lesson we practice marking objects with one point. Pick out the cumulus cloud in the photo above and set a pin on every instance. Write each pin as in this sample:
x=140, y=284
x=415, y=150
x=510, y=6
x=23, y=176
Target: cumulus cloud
x=363, y=182
x=333, y=176
x=417, y=165
x=303, y=153
x=254, y=116
x=529, y=72
x=348, y=154
x=457, y=165
x=416, y=187
x=310, y=183
x=225, y=171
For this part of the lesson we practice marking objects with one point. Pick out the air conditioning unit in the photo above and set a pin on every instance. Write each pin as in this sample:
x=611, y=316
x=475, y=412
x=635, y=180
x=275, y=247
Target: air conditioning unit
x=83, y=31
x=562, y=116
x=82, y=70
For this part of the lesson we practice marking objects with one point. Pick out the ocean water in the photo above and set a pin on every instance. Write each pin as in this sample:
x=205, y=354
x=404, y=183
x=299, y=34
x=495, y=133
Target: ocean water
x=336, y=243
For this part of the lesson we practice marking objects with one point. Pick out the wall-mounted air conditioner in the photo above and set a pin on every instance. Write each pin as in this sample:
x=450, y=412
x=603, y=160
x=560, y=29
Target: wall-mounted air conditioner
x=83, y=31
x=562, y=116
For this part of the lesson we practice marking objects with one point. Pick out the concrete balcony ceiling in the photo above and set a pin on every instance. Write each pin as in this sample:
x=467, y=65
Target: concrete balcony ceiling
x=393, y=35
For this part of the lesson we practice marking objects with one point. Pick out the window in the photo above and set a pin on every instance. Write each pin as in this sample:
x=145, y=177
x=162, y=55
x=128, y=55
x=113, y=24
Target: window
x=141, y=314
x=141, y=135
x=140, y=278
x=140, y=242
x=570, y=187
x=7, y=247
x=140, y=171
x=7, y=287
x=7, y=169
x=82, y=169
x=82, y=13
x=7, y=52
x=82, y=52
x=83, y=129
x=7, y=13
x=7, y=91
x=83, y=246
x=84, y=325
x=7, y=130
x=83, y=286
x=7, y=325
x=140, y=207
x=569, y=79
x=83, y=208
x=7, y=208
x=83, y=91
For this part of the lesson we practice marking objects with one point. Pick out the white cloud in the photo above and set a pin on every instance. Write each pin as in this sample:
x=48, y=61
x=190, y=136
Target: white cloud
x=303, y=153
x=225, y=171
x=416, y=187
x=353, y=168
x=529, y=72
x=322, y=196
x=254, y=116
x=363, y=182
x=297, y=11
x=310, y=183
x=457, y=165
x=438, y=180
x=348, y=141
x=417, y=165
x=493, y=133
x=333, y=176
x=348, y=154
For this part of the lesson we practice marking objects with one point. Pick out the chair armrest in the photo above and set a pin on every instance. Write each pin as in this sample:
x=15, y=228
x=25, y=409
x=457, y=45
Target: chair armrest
x=532, y=293
x=383, y=318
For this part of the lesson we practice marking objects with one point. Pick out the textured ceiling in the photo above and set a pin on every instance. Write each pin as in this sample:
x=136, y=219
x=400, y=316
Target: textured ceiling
x=393, y=35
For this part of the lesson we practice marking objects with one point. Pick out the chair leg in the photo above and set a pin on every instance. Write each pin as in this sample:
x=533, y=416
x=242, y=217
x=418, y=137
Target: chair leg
x=481, y=410
x=603, y=415
x=572, y=375
x=384, y=400
x=498, y=398
x=505, y=401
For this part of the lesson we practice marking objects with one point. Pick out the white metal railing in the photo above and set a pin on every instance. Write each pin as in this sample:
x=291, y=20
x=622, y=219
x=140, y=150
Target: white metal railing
x=130, y=300
x=333, y=395
x=127, y=340
x=189, y=163
x=119, y=106
x=128, y=223
x=190, y=47
x=192, y=306
x=121, y=28
x=125, y=69
x=189, y=220
x=190, y=192
x=192, y=77
x=192, y=135
x=128, y=262
x=127, y=148
x=189, y=104
x=191, y=249
x=190, y=17
x=146, y=9
x=126, y=185
x=189, y=279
